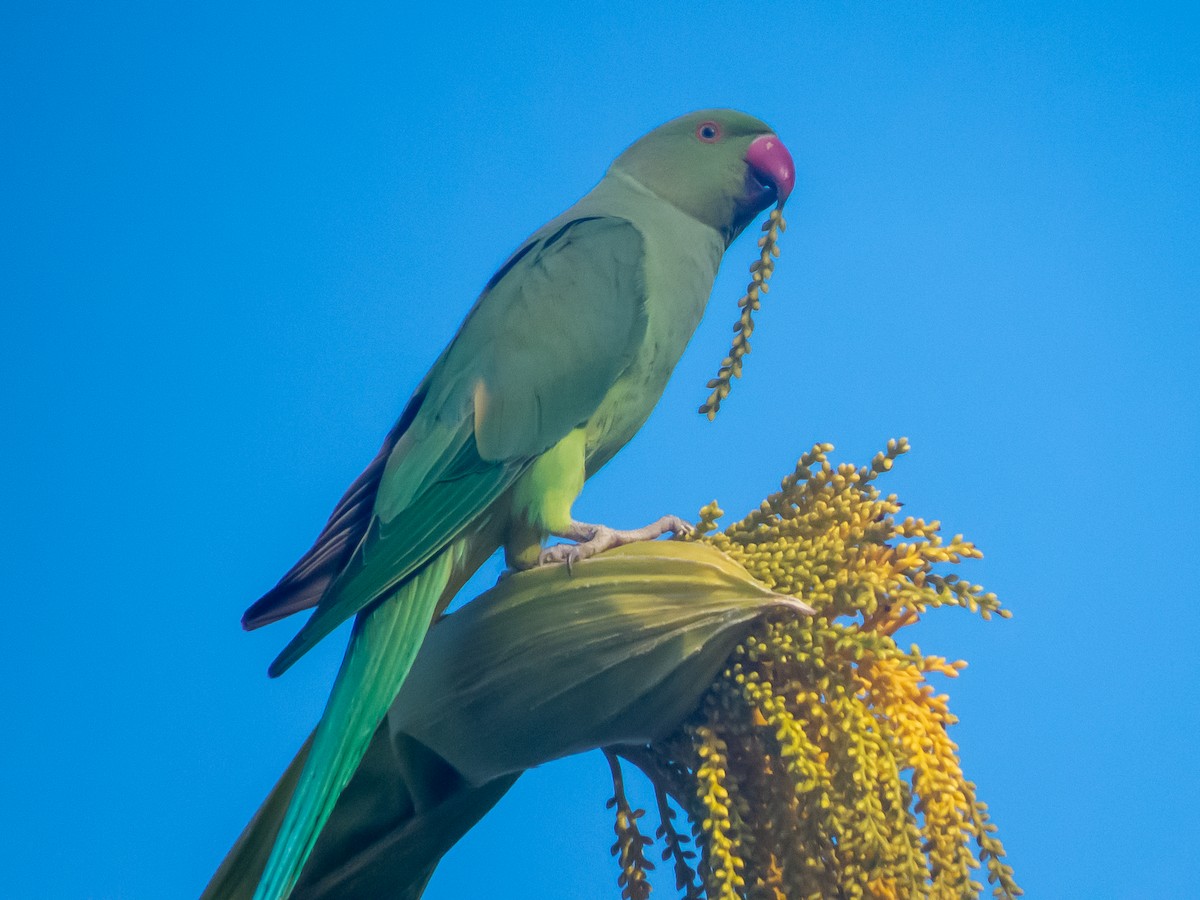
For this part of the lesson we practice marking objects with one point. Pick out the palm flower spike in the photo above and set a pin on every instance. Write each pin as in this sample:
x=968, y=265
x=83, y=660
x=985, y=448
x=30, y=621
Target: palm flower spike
x=760, y=272
x=756, y=674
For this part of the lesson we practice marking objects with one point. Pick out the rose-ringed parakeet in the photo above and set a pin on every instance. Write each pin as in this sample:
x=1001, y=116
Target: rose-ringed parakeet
x=557, y=365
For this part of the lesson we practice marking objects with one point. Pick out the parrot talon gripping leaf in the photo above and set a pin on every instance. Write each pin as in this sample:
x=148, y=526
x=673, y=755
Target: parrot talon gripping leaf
x=593, y=539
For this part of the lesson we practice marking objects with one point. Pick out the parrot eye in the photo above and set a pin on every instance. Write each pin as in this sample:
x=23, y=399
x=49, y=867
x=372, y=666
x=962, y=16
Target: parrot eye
x=709, y=132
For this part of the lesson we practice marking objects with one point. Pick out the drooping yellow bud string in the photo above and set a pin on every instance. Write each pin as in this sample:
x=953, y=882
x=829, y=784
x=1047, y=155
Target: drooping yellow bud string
x=991, y=853
x=720, y=827
x=685, y=875
x=760, y=272
x=633, y=880
x=672, y=782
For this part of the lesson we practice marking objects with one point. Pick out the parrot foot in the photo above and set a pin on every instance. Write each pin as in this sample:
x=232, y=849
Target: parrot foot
x=593, y=539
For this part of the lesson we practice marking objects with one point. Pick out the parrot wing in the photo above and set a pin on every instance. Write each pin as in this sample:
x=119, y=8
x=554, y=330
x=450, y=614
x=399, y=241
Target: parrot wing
x=549, y=336
x=306, y=582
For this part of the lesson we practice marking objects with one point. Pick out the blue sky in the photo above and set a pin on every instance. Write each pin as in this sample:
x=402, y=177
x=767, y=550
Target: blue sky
x=233, y=239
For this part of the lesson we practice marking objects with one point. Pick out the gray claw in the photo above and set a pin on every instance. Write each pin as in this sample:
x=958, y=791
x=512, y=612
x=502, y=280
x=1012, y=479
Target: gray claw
x=593, y=539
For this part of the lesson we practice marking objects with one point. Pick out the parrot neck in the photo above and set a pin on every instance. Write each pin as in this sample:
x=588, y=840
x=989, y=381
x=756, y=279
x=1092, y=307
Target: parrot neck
x=630, y=181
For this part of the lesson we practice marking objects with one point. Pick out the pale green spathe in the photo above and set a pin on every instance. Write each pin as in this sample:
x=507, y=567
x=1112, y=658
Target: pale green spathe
x=547, y=663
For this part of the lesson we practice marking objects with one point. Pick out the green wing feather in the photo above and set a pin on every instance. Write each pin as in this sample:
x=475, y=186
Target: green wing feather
x=538, y=352
x=550, y=344
x=392, y=551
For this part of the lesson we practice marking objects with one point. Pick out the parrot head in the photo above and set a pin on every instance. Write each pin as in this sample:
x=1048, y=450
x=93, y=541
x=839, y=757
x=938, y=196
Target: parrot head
x=720, y=166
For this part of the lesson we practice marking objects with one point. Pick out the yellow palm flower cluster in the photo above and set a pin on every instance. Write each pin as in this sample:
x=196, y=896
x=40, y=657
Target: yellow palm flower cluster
x=751, y=302
x=819, y=764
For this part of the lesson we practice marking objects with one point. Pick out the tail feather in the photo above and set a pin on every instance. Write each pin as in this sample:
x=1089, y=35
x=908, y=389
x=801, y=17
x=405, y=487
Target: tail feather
x=382, y=648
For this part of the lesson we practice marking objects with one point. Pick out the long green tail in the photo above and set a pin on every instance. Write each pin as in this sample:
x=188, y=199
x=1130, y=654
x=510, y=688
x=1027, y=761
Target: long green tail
x=382, y=648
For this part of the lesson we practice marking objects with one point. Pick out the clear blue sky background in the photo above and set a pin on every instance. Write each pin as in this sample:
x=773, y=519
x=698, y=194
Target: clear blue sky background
x=233, y=237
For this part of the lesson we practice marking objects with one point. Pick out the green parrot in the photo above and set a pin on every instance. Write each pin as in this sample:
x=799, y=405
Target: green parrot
x=555, y=368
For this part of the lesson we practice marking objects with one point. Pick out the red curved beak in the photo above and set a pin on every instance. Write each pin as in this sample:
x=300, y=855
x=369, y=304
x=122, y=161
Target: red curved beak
x=771, y=162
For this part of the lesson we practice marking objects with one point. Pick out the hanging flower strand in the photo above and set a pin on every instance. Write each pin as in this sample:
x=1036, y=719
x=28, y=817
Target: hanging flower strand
x=760, y=272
